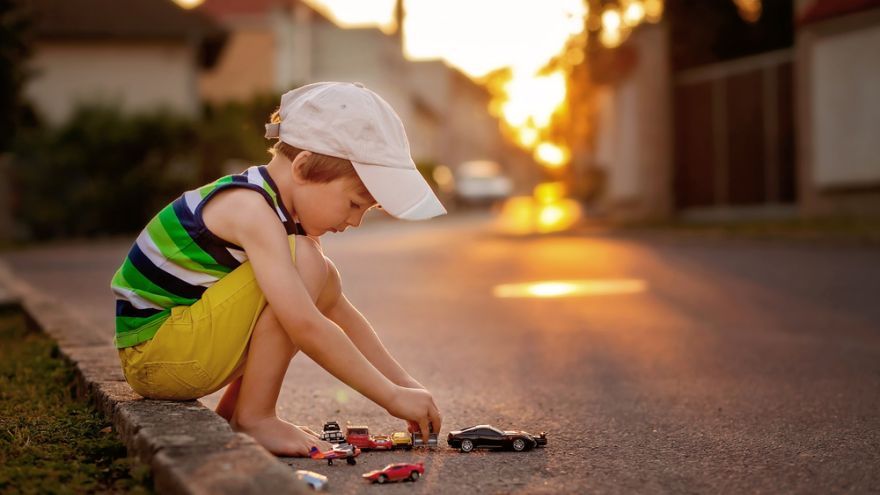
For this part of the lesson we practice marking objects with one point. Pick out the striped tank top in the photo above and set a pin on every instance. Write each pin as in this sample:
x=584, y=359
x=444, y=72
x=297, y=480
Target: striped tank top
x=176, y=258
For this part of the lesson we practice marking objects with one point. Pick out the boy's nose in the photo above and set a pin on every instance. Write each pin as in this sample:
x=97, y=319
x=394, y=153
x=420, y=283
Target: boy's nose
x=355, y=220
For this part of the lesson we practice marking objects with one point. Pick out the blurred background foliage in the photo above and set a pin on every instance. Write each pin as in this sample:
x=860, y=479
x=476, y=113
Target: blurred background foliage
x=112, y=171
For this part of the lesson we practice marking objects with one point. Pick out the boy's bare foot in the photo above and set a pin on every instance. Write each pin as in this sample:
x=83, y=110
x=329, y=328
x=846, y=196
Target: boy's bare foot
x=280, y=437
x=309, y=431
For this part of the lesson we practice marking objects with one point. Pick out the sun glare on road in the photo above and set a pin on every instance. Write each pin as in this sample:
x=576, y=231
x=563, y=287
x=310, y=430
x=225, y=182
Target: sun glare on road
x=571, y=288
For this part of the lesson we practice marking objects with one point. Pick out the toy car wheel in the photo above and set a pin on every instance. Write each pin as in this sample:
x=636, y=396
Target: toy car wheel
x=351, y=461
x=467, y=445
x=519, y=445
x=381, y=479
x=414, y=476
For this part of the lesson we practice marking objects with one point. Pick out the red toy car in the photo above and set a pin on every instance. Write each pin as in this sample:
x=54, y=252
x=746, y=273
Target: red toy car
x=349, y=452
x=396, y=472
x=381, y=442
x=360, y=437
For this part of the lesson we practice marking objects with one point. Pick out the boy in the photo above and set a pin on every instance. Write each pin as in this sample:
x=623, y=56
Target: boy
x=228, y=282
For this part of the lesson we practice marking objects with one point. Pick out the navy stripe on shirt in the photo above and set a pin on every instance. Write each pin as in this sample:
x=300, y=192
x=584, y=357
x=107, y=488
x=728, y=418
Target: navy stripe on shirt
x=125, y=308
x=162, y=278
x=195, y=231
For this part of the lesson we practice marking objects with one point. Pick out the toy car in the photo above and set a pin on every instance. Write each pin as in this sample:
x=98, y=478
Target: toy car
x=332, y=433
x=401, y=440
x=359, y=436
x=418, y=442
x=314, y=480
x=396, y=472
x=489, y=437
x=381, y=442
x=348, y=452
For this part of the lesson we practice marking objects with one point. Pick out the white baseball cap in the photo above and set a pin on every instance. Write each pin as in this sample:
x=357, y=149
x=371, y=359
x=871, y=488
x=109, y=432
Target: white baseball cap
x=347, y=120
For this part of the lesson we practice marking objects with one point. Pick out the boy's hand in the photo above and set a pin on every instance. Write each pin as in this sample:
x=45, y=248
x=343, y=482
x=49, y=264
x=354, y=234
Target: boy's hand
x=417, y=407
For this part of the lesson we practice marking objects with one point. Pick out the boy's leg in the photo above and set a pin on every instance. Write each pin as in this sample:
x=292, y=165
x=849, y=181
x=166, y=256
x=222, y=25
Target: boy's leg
x=268, y=358
x=226, y=406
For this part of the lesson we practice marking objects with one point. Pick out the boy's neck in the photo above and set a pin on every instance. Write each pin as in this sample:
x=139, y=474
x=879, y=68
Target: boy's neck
x=280, y=171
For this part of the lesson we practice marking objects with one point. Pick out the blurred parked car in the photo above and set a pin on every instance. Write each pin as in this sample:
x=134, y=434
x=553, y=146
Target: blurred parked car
x=481, y=182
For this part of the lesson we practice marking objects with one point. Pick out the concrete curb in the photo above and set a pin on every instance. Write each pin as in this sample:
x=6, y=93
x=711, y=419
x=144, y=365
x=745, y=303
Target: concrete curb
x=189, y=448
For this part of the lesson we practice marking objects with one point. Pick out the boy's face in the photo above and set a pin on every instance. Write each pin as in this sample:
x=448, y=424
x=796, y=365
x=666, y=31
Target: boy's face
x=330, y=207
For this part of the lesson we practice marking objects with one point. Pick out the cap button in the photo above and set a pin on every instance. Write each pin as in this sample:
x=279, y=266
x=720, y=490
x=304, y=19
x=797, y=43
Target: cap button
x=360, y=85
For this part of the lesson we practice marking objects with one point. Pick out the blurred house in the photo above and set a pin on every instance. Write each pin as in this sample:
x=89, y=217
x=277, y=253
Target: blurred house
x=138, y=54
x=276, y=45
x=837, y=54
x=710, y=115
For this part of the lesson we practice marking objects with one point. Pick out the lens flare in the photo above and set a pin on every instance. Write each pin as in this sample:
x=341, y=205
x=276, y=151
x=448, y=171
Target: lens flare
x=571, y=288
x=551, y=155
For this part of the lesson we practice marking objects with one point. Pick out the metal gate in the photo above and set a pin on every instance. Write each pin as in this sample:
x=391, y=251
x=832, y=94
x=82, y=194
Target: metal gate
x=734, y=133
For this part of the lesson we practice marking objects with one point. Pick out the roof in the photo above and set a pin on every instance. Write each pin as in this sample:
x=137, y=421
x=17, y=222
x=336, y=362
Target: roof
x=129, y=19
x=822, y=10
x=118, y=19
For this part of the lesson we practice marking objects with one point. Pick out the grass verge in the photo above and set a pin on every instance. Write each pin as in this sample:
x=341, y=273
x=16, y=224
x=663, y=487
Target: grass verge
x=51, y=442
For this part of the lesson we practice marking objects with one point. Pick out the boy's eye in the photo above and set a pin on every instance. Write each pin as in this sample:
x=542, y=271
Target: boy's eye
x=355, y=205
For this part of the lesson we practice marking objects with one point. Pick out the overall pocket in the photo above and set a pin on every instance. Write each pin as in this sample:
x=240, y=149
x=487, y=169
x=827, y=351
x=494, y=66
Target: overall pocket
x=185, y=380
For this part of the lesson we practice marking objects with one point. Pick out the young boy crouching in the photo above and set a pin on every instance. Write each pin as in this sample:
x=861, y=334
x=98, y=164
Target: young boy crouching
x=228, y=282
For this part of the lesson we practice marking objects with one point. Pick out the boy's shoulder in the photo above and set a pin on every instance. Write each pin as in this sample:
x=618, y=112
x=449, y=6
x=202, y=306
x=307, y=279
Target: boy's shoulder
x=234, y=210
x=237, y=212
x=239, y=202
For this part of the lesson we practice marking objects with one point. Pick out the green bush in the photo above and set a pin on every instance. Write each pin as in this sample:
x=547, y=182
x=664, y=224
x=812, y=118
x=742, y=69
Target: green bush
x=105, y=172
x=233, y=131
x=101, y=172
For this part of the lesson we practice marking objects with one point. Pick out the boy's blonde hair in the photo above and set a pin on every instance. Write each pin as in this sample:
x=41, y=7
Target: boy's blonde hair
x=318, y=167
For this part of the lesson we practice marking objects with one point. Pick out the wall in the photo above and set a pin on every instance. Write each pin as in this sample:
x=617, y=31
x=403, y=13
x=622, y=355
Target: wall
x=138, y=76
x=838, y=112
x=245, y=66
x=845, y=93
x=633, y=141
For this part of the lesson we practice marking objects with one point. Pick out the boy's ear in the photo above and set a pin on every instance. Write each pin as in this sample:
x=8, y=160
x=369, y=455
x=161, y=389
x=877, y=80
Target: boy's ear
x=297, y=164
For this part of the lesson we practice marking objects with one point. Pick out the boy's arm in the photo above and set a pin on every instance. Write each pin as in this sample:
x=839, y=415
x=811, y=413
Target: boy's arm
x=248, y=221
x=265, y=242
x=359, y=330
x=255, y=227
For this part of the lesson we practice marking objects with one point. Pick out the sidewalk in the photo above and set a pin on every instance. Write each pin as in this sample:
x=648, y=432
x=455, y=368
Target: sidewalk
x=189, y=449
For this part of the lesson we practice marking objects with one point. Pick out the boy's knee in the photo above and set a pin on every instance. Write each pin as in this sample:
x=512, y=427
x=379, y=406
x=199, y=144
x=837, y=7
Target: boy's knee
x=312, y=265
x=332, y=290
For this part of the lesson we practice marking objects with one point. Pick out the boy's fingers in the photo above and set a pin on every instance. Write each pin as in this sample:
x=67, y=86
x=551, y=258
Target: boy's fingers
x=424, y=426
x=436, y=420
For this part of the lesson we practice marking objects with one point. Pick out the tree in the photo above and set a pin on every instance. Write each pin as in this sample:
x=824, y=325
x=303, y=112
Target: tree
x=15, y=32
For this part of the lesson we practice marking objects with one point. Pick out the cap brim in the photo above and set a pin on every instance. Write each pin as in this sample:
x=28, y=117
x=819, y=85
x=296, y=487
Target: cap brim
x=403, y=193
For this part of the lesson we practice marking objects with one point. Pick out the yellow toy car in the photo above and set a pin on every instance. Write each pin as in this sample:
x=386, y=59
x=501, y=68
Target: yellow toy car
x=401, y=440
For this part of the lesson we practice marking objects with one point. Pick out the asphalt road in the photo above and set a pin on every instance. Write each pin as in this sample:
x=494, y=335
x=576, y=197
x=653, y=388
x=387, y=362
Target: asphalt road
x=733, y=366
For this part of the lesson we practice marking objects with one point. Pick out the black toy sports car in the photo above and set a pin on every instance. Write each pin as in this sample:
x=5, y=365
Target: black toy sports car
x=489, y=437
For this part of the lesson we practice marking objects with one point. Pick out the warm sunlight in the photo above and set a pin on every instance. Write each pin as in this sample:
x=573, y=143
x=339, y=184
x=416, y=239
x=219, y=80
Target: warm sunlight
x=551, y=155
x=189, y=4
x=546, y=211
x=481, y=37
x=571, y=288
